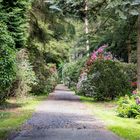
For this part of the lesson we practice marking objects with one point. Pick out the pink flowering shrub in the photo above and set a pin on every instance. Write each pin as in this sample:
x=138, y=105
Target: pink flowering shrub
x=99, y=54
x=105, y=81
x=93, y=57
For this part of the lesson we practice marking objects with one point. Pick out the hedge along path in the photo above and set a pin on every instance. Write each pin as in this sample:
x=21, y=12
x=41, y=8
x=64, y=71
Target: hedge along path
x=64, y=117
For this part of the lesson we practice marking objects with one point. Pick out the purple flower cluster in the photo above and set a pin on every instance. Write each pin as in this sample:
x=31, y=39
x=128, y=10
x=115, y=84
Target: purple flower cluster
x=101, y=51
x=134, y=92
x=137, y=96
x=138, y=100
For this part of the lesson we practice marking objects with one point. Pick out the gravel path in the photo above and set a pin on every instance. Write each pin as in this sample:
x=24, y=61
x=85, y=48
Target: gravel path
x=63, y=117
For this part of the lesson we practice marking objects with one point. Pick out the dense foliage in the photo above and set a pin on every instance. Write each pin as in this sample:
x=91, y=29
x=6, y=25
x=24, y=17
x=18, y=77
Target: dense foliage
x=7, y=61
x=17, y=20
x=100, y=76
x=13, y=34
x=25, y=76
x=129, y=107
x=43, y=74
x=71, y=72
x=32, y=35
x=110, y=22
x=49, y=34
x=105, y=81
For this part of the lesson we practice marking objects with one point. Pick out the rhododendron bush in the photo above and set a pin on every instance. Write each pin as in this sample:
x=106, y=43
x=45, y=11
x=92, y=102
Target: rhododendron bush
x=105, y=80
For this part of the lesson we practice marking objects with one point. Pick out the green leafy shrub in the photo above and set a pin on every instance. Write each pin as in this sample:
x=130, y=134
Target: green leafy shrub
x=71, y=72
x=51, y=82
x=134, y=56
x=52, y=77
x=129, y=69
x=46, y=74
x=128, y=107
x=39, y=67
x=13, y=34
x=25, y=76
x=7, y=62
x=105, y=81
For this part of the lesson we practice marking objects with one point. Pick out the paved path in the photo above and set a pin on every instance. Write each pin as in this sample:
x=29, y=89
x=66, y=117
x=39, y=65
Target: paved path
x=64, y=117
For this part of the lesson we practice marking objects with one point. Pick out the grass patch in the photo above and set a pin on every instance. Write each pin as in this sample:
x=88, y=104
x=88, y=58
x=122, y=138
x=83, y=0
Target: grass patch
x=15, y=112
x=126, y=128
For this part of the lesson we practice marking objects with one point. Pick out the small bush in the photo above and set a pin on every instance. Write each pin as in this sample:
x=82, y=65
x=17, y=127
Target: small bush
x=40, y=69
x=46, y=74
x=51, y=82
x=128, y=107
x=46, y=80
x=129, y=69
x=71, y=72
x=105, y=81
x=25, y=76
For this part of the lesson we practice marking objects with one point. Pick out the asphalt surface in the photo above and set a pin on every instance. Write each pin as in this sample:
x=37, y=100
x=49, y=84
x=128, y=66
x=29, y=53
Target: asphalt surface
x=63, y=117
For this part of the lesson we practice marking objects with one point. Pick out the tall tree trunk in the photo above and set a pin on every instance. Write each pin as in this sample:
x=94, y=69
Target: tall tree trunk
x=86, y=25
x=129, y=50
x=138, y=55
